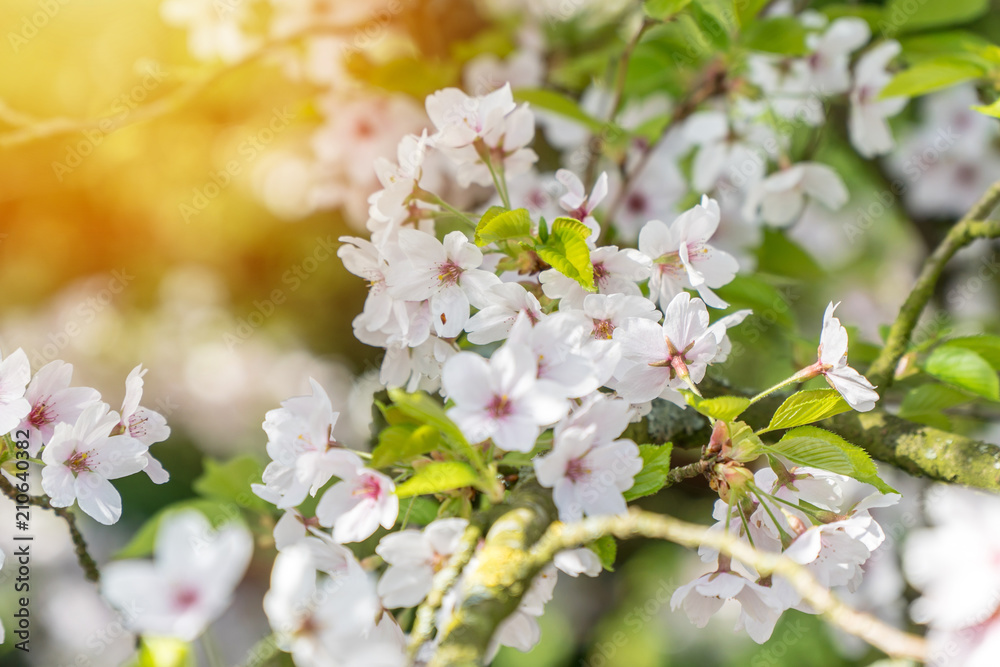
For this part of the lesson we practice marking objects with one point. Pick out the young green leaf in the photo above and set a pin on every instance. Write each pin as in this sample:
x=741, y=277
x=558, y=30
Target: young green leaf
x=932, y=74
x=499, y=224
x=986, y=346
x=964, y=368
x=901, y=16
x=664, y=10
x=567, y=252
x=606, y=549
x=438, y=477
x=416, y=511
x=931, y=398
x=806, y=407
x=401, y=444
x=163, y=652
x=783, y=35
x=653, y=476
x=815, y=448
x=725, y=408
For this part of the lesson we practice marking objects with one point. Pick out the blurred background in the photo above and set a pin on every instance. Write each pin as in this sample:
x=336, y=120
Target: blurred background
x=192, y=227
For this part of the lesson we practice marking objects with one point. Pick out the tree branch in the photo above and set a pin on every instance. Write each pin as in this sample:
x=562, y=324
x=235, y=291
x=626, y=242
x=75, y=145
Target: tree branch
x=443, y=582
x=890, y=640
x=87, y=561
x=921, y=450
x=966, y=230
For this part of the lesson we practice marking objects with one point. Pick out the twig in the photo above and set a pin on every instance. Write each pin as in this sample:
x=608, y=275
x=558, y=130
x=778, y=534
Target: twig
x=443, y=582
x=34, y=129
x=616, y=101
x=963, y=233
x=892, y=641
x=87, y=561
x=686, y=472
x=711, y=84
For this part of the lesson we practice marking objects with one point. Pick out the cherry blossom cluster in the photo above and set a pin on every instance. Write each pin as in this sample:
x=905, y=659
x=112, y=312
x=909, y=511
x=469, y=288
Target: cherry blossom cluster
x=77, y=439
x=549, y=361
x=816, y=518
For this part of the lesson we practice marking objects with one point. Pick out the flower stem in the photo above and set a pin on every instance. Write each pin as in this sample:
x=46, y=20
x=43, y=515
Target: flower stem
x=800, y=376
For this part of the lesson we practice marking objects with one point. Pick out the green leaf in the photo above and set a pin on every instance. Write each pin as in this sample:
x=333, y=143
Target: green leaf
x=815, y=448
x=761, y=297
x=560, y=104
x=725, y=408
x=653, y=476
x=567, y=252
x=746, y=446
x=499, y=224
x=960, y=44
x=964, y=368
x=902, y=16
x=806, y=407
x=163, y=652
x=717, y=19
x=986, y=346
x=871, y=14
x=989, y=109
x=925, y=404
x=230, y=481
x=438, y=477
x=606, y=549
x=664, y=9
x=425, y=410
x=401, y=444
x=781, y=34
x=142, y=543
x=781, y=256
x=416, y=510
x=930, y=75
x=747, y=10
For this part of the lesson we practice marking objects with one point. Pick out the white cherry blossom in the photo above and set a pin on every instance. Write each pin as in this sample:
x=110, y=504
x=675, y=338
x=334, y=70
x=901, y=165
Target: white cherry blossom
x=82, y=457
x=190, y=581
x=53, y=401
x=500, y=398
x=781, y=198
x=869, y=131
x=682, y=257
x=414, y=557
x=447, y=274
x=15, y=373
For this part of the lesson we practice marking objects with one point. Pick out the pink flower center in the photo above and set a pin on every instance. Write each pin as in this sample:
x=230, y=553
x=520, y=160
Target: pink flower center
x=601, y=273
x=499, y=407
x=41, y=415
x=576, y=470
x=449, y=272
x=78, y=462
x=603, y=329
x=186, y=598
x=636, y=203
x=370, y=488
